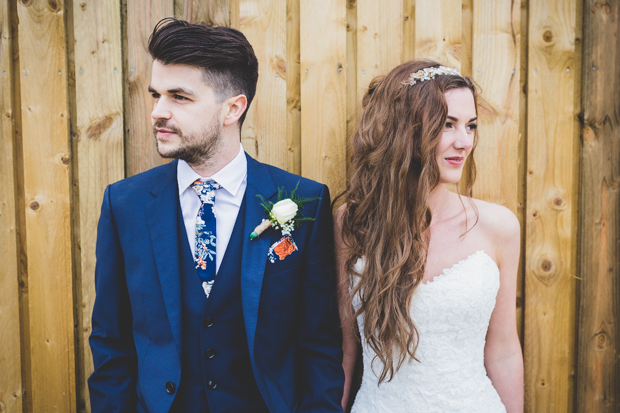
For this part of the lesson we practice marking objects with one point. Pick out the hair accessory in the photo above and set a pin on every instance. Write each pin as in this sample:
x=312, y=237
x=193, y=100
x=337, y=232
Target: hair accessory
x=429, y=73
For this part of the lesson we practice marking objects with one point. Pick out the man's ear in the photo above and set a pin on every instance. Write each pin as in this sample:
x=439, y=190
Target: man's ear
x=235, y=107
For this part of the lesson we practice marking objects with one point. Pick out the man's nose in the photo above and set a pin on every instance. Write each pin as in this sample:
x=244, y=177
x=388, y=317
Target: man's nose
x=160, y=110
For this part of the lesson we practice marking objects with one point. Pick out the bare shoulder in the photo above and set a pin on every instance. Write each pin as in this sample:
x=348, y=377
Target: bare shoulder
x=498, y=222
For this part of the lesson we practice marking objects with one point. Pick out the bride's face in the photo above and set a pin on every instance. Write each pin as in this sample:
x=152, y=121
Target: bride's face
x=457, y=138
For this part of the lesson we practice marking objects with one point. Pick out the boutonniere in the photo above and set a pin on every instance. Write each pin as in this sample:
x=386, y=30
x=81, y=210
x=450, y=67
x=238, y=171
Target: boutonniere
x=283, y=215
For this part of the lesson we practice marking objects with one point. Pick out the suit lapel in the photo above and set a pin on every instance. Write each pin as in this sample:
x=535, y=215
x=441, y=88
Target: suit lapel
x=162, y=220
x=254, y=254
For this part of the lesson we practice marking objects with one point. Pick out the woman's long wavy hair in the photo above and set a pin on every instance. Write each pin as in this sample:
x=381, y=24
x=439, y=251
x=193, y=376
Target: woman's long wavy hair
x=387, y=216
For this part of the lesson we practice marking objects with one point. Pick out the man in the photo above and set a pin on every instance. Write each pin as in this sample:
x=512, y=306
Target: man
x=191, y=315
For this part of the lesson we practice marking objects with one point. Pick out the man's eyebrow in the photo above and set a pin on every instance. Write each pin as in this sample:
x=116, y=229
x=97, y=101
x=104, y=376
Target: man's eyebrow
x=174, y=91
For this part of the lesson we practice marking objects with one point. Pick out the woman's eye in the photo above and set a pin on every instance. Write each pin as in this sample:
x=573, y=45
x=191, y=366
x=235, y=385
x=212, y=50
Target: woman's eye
x=472, y=127
x=448, y=125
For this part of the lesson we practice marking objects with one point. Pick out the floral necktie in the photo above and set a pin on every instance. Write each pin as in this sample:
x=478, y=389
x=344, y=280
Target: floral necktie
x=204, y=254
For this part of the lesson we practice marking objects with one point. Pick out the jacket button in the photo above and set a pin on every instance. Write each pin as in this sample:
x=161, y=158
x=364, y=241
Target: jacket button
x=210, y=353
x=212, y=384
x=170, y=387
x=208, y=322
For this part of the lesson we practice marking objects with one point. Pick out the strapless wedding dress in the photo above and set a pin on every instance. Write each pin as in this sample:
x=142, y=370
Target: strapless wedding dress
x=452, y=314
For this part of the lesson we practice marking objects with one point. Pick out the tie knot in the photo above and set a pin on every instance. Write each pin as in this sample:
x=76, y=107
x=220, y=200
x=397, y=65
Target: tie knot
x=206, y=190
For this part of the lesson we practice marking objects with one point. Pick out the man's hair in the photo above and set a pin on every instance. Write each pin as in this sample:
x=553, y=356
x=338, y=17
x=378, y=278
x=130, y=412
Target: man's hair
x=225, y=56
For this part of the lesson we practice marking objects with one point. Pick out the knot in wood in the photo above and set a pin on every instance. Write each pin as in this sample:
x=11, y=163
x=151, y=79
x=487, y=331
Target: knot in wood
x=53, y=5
x=558, y=203
x=548, y=36
x=606, y=8
x=601, y=340
x=65, y=159
x=26, y=2
x=34, y=205
x=546, y=270
x=535, y=214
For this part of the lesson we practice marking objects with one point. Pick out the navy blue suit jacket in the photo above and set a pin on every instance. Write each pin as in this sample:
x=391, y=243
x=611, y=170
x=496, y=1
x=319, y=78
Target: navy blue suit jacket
x=289, y=307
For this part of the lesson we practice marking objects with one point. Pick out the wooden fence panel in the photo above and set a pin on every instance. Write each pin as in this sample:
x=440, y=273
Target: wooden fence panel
x=141, y=149
x=100, y=152
x=47, y=160
x=10, y=354
x=264, y=132
x=438, y=31
x=552, y=163
x=323, y=92
x=495, y=55
x=293, y=85
x=379, y=40
x=213, y=12
x=351, y=50
x=598, y=354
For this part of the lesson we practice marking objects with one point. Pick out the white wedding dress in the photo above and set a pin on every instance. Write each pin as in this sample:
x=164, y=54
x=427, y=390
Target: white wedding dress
x=452, y=315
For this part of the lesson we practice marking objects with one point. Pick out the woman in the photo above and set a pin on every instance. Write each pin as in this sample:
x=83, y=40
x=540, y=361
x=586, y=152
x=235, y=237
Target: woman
x=429, y=275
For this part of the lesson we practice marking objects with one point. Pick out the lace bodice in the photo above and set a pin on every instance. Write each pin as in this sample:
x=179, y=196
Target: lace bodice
x=452, y=314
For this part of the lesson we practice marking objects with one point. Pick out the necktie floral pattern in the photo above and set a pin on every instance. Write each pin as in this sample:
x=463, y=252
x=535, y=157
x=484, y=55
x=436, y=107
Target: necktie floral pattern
x=204, y=253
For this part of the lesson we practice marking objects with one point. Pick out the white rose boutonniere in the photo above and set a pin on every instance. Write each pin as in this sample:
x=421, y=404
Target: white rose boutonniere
x=284, y=215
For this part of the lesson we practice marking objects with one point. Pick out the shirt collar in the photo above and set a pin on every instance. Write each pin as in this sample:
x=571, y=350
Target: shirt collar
x=230, y=176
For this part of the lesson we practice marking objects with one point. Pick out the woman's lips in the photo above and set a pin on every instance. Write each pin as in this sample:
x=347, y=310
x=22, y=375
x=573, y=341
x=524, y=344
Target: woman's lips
x=455, y=160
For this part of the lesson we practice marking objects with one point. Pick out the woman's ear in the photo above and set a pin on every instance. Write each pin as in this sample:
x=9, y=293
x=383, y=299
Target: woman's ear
x=234, y=107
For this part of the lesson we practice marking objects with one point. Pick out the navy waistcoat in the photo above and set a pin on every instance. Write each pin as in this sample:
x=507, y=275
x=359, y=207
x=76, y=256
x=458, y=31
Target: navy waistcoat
x=216, y=374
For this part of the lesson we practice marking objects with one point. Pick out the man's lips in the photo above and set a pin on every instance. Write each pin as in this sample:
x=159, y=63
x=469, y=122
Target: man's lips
x=164, y=133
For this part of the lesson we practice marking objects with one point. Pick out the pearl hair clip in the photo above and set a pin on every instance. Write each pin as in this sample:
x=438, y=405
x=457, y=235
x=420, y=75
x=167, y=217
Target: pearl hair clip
x=429, y=73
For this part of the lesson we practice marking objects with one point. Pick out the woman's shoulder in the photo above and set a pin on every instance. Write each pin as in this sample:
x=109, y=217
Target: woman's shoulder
x=497, y=221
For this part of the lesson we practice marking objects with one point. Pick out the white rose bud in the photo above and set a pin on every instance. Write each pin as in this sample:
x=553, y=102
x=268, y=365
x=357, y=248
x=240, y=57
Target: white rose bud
x=284, y=210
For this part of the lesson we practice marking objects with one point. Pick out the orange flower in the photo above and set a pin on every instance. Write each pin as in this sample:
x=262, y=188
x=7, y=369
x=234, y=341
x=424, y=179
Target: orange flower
x=284, y=248
x=202, y=263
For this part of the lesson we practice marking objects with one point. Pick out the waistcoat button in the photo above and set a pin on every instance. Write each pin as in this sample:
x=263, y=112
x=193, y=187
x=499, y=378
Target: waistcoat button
x=170, y=387
x=208, y=322
x=210, y=353
x=212, y=384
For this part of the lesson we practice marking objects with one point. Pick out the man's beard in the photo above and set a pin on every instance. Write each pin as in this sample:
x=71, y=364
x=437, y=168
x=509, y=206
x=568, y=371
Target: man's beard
x=193, y=149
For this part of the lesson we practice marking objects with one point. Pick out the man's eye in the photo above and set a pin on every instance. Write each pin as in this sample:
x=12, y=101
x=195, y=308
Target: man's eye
x=179, y=97
x=155, y=95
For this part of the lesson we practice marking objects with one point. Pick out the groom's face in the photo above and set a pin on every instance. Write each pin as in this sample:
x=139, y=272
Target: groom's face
x=186, y=115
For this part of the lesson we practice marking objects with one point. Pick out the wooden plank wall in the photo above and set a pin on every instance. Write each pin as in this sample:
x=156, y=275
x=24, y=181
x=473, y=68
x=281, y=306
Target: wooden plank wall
x=75, y=116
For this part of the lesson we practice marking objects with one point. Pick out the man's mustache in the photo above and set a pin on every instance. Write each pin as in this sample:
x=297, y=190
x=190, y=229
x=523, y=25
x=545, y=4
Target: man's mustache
x=163, y=124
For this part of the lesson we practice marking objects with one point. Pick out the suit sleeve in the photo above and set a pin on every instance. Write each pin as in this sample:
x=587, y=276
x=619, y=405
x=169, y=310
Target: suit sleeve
x=113, y=383
x=319, y=333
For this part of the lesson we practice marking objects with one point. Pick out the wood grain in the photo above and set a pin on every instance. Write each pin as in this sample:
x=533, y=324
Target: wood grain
x=140, y=148
x=351, y=50
x=47, y=169
x=467, y=33
x=553, y=164
x=598, y=351
x=293, y=86
x=438, y=31
x=11, y=396
x=379, y=40
x=323, y=92
x=213, y=12
x=100, y=152
x=409, y=28
x=496, y=53
x=264, y=132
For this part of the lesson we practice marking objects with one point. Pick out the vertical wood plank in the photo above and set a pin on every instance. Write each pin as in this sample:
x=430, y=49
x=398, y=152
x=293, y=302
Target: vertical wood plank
x=553, y=163
x=99, y=136
x=467, y=17
x=140, y=147
x=598, y=352
x=293, y=85
x=11, y=397
x=264, y=132
x=351, y=50
x=379, y=40
x=438, y=31
x=409, y=26
x=214, y=12
x=323, y=92
x=47, y=159
x=496, y=52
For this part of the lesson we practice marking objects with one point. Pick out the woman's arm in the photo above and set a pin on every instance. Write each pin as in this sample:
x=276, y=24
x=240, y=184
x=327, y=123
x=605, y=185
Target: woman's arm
x=503, y=358
x=350, y=348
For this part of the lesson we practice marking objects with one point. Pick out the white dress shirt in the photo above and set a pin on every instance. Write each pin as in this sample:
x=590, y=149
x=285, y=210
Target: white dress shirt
x=234, y=179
